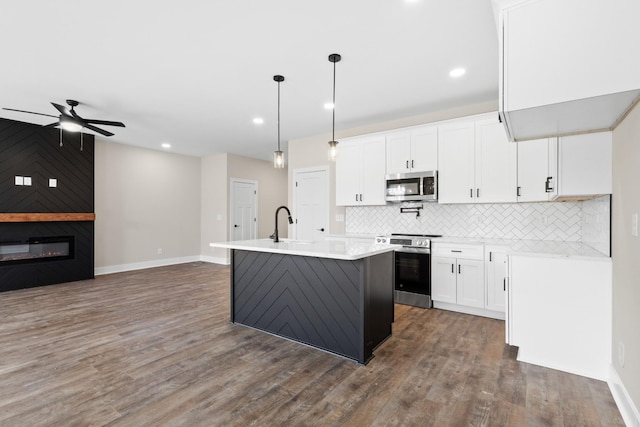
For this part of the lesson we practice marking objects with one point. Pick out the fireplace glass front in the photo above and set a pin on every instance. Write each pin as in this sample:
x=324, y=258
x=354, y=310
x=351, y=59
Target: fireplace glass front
x=37, y=249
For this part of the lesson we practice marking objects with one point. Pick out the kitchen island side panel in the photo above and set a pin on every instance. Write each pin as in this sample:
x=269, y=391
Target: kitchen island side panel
x=379, y=308
x=316, y=301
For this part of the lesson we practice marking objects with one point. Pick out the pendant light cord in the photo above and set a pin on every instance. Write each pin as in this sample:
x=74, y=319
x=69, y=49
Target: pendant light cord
x=333, y=126
x=278, y=116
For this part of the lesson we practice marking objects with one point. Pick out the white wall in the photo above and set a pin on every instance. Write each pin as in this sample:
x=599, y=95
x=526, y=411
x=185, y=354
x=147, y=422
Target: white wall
x=144, y=200
x=214, y=204
x=626, y=253
x=216, y=173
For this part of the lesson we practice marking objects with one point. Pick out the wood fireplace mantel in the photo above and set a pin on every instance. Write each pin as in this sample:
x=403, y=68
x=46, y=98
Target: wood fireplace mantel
x=46, y=217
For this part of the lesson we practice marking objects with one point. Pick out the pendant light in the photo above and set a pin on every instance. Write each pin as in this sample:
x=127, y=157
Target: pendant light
x=333, y=144
x=278, y=156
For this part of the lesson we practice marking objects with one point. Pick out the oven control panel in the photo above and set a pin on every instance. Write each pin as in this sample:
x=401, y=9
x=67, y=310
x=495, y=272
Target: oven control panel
x=414, y=242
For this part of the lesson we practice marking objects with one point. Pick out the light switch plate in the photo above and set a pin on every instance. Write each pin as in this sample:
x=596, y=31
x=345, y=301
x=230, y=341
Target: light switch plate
x=19, y=180
x=53, y=182
x=27, y=180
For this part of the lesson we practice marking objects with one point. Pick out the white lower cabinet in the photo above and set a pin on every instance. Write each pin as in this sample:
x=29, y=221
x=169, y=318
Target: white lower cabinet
x=496, y=283
x=458, y=275
x=560, y=312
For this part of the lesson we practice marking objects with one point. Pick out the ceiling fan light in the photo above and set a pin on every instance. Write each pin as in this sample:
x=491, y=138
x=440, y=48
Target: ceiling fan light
x=70, y=126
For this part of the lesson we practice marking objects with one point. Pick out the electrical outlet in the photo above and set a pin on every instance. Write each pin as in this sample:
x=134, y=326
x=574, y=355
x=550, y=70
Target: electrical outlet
x=339, y=218
x=159, y=251
x=634, y=224
x=621, y=353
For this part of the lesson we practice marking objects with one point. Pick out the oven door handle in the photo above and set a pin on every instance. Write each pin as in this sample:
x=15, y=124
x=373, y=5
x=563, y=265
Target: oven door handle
x=411, y=250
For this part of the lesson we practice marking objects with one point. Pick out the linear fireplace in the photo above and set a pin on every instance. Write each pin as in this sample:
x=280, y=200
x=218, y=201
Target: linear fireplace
x=44, y=253
x=37, y=249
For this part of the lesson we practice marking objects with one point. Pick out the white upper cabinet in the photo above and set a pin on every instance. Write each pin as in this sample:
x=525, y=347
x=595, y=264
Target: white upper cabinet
x=477, y=163
x=360, y=171
x=585, y=165
x=414, y=150
x=567, y=66
x=537, y=170
x=568, y=167
x=496, y=163
x=456, y=159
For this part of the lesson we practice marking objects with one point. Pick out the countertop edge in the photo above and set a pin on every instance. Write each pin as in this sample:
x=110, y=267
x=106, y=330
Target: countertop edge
x=312, y=251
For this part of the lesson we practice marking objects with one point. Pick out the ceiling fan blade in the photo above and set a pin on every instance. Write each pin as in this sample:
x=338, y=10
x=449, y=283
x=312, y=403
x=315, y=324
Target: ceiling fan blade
x=104, y=122
x=63, y=110
x=98, y=130
x=30, y=112
x=51, y=125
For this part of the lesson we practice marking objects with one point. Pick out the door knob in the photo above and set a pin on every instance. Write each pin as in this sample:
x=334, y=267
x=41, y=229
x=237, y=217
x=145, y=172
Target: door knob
x=235, y=225
x=320, y=229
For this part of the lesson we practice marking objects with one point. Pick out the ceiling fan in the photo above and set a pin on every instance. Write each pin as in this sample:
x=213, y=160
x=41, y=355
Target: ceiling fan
x=71, y=121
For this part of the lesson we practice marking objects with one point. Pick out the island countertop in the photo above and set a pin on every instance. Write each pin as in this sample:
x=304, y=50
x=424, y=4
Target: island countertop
x=345, y=249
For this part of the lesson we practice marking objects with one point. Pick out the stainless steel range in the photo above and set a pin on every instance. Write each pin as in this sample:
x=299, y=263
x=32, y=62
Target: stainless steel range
x=412, y=268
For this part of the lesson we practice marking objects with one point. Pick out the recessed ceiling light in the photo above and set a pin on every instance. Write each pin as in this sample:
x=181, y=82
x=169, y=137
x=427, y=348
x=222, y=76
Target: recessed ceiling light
x=258, y=120
x=328, y=106
x=457, y=72
x=166, y=145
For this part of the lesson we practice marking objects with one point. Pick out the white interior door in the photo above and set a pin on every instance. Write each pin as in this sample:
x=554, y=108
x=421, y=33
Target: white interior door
x=311, y=195
x=243, y=218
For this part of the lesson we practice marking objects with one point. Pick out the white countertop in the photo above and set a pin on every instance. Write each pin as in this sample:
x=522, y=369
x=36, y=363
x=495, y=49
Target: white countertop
x=334, y=248
x=531, y=247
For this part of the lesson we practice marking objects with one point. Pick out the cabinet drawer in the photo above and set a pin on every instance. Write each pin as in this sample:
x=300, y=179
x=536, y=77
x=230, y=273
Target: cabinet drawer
x=458, y=251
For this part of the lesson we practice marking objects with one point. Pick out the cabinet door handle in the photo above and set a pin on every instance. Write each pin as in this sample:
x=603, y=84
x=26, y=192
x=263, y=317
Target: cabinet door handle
x=518, y=191
x=471, y=193
x=477, y=192
x=489, y=256
x=360, y=196
x=547, y=185
x=452, y=267
x=356, y=197
x=457, y=251
x=407, y=164
x=504, y=284
x=458, y=268
x=411, y=164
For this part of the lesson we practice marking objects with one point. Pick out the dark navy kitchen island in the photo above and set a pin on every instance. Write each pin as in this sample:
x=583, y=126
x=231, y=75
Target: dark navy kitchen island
x=333, y=295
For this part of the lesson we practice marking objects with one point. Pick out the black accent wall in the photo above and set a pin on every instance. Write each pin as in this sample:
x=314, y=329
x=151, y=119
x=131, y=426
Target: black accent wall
x=33, y=151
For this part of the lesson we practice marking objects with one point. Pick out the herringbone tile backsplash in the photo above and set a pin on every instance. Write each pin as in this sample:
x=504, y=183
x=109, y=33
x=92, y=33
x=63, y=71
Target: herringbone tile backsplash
x=532, y=221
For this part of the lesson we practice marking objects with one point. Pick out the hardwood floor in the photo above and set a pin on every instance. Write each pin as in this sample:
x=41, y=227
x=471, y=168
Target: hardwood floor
x=155, y=347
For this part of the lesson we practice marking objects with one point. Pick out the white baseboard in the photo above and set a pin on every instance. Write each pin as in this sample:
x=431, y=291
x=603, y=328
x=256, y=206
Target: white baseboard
x=469, y=310
x=215, y=260
x=98, y=271
x=627, y=408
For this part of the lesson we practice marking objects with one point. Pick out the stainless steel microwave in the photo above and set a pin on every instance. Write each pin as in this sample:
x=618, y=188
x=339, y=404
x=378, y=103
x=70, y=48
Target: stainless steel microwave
x=412, y=187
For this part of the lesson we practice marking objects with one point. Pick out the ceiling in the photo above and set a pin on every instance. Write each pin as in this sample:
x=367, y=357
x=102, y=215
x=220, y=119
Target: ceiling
x=195, y=73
